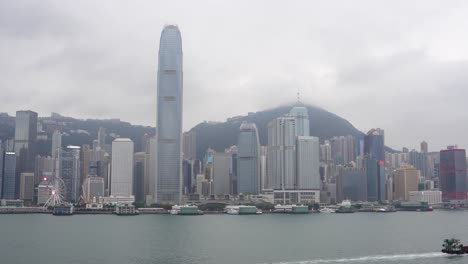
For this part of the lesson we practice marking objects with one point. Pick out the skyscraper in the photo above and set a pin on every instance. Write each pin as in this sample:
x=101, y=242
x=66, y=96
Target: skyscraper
x=374, y=152
x=122, y=167
x=27, y=186
x=248, y=166
x=405, y=180
x=282, y=152
x=25, y=143
x=301, y=114
x=139, y=159
x=56, y=142
x=101, y=141
x=70, y=172
x=221, y=173
x=453, y=176
x=9, y=175
x=190, y=145
x=308, y=176
x=169, y=117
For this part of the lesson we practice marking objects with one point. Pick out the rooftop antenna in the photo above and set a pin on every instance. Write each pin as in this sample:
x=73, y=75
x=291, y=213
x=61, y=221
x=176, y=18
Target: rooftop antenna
x=298, y=97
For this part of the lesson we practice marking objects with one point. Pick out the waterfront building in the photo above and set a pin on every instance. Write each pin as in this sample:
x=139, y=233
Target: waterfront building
x=375, y=171
x=248, y=166
x=93, y=188
x=374, y=156
x=453, y=176
x=405, y=180
x=282, y=153
x=190, y=145
x=25, y=143
x=56, y=143
x=233, y=152
x=9, y=176
x=221, y=173
x=43, y=191
x=122, y=167
x=69, y=171
x=308, y=176
x=351, y=184
x=187, y=176
x=114, y=200
x=139, y=159
x=150, y=176
x=27, y=186
x=43, y=166
x=431, y=197
x=169, y=117
x=296, y=196
x=85, y=159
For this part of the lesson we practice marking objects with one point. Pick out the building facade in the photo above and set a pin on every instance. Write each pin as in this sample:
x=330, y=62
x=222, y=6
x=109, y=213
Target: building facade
x=453, y=176
x=308, y=165
x=405, y=180
x=282, y=153
x=122, y=167
x=70, y=171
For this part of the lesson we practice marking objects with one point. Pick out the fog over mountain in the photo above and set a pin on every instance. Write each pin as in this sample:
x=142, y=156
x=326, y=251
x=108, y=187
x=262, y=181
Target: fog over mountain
x=399, y=65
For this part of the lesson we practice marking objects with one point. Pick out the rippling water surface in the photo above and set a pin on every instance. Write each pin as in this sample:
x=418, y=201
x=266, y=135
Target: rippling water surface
x=402, y=237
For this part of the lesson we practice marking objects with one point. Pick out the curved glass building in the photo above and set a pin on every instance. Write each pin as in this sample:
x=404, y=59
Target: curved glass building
x=248, y=170
x=169, y=117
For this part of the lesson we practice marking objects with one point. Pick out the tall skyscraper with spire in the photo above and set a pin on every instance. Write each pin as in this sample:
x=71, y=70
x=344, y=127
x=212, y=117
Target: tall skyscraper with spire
x=168, y=186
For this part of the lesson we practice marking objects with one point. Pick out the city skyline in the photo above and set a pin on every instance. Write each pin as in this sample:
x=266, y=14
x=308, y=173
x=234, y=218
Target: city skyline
x=421, y=69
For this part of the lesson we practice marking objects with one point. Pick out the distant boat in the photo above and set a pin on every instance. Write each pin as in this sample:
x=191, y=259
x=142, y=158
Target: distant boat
x=327, y=210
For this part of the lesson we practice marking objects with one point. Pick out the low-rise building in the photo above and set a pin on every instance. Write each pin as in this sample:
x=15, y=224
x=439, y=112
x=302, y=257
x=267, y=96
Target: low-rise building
x=431, y=197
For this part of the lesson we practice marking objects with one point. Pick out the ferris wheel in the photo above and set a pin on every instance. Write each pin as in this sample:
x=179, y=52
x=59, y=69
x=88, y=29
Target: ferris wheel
x=57, y=192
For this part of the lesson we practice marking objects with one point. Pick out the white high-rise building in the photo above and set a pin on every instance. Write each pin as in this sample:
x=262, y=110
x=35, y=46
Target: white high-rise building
x=56, y=142
x=169, y=117
x=308, y=175
x=282, y=153
x=122, y=167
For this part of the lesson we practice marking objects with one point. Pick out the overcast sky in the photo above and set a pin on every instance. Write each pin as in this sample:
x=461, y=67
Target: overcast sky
x=398, y=65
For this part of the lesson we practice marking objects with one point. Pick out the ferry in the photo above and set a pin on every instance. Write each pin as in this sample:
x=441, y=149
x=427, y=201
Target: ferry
x=185, y=210
x=242, y=210
x=291, y=209
x=345, y=207
x=328, y=209
x=453, y=246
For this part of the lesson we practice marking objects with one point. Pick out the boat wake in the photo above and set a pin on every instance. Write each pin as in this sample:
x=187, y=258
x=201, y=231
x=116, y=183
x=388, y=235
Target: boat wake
x=367, y=259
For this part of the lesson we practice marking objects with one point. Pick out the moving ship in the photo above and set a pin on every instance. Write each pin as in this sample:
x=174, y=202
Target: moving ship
x=454, y=246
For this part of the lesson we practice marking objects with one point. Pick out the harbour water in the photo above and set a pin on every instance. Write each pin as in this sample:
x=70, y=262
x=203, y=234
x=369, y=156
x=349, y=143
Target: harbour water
x=402, y=237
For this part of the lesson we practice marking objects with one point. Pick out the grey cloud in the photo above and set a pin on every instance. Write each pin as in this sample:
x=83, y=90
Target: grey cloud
x=387, y=64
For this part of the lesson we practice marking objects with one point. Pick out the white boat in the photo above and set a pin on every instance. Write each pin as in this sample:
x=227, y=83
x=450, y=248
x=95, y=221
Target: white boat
x=327, y=210
x=232, y=211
